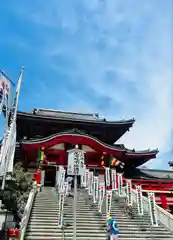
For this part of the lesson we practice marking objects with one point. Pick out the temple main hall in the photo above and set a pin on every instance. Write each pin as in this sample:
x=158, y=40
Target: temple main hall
x=52, y=133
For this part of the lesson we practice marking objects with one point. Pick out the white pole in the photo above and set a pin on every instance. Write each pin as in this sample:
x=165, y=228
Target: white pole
x=74, y=207
x=13, y=120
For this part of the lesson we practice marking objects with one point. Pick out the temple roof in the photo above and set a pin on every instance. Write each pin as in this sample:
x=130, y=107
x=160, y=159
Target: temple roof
x=89, y=117
x=129, y=157
x=67, y=115
x=45, y=122
x=143, y=173
x=160, y=174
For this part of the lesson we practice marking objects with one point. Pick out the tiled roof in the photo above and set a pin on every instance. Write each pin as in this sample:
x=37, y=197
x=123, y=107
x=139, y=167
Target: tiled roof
x=64, y=114
x=162, y=174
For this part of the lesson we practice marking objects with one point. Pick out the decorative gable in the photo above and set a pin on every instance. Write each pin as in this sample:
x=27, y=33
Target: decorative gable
x=59, y=146
x=86, y=148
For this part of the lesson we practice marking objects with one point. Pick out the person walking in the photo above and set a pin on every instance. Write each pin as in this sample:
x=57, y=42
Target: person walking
x=112, y=228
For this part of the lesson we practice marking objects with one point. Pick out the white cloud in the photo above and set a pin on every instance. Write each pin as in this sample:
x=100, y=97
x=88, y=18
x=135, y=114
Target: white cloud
x=121, y=50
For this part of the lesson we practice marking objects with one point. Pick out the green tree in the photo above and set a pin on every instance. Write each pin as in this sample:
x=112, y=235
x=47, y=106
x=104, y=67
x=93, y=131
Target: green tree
x=17, y=188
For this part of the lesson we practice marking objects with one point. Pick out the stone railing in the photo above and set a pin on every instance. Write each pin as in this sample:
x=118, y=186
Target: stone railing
x=27, y=211
x=163, y=216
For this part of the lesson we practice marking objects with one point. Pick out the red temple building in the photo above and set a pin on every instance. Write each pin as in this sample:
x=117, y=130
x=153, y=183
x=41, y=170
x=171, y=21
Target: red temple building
x=56, y=132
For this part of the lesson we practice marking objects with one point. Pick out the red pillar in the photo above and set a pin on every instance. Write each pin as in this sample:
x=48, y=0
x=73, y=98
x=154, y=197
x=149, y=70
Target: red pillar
x=62, y=158
x=163, y=200
x=38, y=177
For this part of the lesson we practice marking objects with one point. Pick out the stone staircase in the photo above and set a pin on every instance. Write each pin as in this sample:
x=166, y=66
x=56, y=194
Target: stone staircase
x=43, y=222
x=138, y=228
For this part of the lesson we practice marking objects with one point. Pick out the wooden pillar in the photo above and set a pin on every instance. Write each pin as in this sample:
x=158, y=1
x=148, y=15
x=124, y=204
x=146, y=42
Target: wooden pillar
x=25, y=162
x=62, y=158
x=24, y=158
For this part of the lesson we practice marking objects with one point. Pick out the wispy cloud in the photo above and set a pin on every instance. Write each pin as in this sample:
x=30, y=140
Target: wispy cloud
x=112, y=57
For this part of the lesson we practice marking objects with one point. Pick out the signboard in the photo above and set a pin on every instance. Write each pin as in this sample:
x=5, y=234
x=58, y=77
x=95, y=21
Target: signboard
x=75, y=162
x=152, y=209
x=129, y=191
x=139, y=200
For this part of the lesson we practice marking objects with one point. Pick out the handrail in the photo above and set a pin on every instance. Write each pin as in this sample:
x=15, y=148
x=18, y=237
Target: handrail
x=27, y=211
x=163, y=216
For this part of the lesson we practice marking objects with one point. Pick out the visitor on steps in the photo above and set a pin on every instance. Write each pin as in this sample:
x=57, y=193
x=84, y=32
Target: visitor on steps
x=69, y=179
x=112, y=228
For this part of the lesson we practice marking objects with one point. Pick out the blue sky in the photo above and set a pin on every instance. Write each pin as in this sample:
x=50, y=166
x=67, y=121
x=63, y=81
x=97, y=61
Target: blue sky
x=106, y=56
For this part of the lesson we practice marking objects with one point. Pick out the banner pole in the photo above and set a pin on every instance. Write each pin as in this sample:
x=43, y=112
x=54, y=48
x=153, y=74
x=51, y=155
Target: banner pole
x=74, y=207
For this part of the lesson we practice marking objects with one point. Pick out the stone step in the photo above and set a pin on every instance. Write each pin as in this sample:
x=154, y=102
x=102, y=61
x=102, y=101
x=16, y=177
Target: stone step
x=93, y=235
x=85, y=223
x=82, y=221
x=86, y=238
x=85, y=230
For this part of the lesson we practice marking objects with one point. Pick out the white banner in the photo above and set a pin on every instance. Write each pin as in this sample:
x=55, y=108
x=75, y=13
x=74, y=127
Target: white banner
x=114, y=179
x=139, y=200
x=61, y=179
x=57, y=177
x=152, y=208
x=66, y=188
x=129, y=191
x=81, y=162
x=95, y=189
x=42, y=177
x=101, y=196
x=12, y=148
x=108, y=203
x=107, y=176
x=70, y=167
x=83, y=177
x=87, y=178
x=90, y=189
x=120, y=184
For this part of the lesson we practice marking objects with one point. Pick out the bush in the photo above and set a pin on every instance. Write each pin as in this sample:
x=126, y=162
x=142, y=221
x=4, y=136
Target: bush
x=16, y=192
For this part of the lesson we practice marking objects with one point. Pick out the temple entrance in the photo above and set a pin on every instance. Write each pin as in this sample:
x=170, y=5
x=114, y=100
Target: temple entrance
x=50, y=176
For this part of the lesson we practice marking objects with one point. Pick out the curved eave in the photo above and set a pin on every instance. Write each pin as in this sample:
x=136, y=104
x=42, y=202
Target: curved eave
x=139, y=159
x=74, y=138
x=94, y=143
x=128, y=123
x=146, y=153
